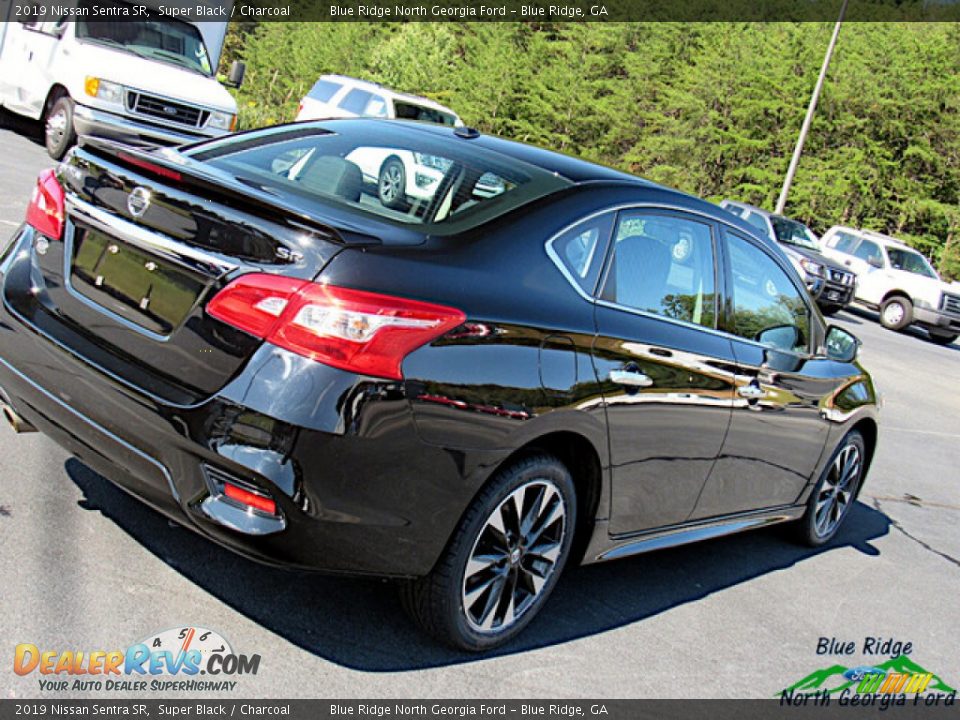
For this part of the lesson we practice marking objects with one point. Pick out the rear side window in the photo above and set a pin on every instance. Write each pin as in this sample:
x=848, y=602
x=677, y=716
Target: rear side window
x=767, y=307
x=356, y=101
x=410, y=177
x=581, y=249
x=324, y=90
x=663, y=264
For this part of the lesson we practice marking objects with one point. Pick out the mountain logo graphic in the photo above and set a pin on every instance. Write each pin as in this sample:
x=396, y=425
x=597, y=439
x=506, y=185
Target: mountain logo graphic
x=883, y=677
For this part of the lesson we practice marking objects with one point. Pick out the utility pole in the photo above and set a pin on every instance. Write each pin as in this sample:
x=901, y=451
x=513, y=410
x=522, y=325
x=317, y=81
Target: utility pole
x=805, y=128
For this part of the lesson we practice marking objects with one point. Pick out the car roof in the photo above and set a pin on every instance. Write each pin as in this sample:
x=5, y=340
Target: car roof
x=384, y=90
x=872, y=235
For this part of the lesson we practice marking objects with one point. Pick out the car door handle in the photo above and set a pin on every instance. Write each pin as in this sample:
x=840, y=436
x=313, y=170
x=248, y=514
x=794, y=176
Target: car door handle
x=631, y=378
x=751, y=392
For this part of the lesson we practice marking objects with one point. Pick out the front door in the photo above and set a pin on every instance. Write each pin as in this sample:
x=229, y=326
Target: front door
x=777, y=432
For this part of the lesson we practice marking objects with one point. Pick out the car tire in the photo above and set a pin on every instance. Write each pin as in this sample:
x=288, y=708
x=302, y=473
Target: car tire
x=59, y=134
x=500, y=566
x=942, y=338
x=391, y=185
x=830, y=310
x=835, y=492
x=896, y=313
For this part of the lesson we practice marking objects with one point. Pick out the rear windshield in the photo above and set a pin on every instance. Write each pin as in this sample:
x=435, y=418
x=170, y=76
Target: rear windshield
x=400, y=173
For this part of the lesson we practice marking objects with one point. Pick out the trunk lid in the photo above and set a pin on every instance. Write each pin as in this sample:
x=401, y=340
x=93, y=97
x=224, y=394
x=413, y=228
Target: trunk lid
x=147, y=243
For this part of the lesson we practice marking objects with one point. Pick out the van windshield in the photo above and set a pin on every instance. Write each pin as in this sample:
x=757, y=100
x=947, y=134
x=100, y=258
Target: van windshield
x=157, y=37
x=397, y=171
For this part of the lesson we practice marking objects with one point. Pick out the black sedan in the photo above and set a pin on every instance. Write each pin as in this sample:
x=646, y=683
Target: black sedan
x=525, y=360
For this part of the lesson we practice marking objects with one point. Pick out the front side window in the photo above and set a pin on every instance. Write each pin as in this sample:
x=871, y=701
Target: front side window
x=767, y=306
x=663, y=264
x=868, y=250
x=411, y=111
x=910, y=262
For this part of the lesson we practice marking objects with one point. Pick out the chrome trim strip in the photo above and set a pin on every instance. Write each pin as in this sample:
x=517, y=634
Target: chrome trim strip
x=552, y=254
x=147, y=239
x=96, y=426
x=683, y=535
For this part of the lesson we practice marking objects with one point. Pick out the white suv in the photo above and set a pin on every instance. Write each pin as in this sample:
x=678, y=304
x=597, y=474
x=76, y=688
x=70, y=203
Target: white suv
x=339, y=96
x=898, y=281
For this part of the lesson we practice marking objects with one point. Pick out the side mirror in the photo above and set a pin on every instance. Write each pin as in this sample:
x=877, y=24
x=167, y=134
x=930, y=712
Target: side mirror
x=841, y=345
x=876, y=262
x=237, y=70
x=780, y=337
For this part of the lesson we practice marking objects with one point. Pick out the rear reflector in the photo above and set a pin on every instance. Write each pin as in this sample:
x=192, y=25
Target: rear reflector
x=362, y=332
x=245, y=497
x=46, y=209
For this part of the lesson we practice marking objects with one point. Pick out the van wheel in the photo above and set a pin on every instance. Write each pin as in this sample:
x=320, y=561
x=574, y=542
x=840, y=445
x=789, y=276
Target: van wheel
x=58, y=128
x=942, y=339
x=896, y=313
x=503, y=560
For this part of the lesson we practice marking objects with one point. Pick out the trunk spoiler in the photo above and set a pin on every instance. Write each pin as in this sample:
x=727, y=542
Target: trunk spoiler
x=233, y=193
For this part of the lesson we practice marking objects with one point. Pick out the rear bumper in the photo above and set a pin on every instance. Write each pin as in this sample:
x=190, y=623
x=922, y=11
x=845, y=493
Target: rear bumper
x=88, y=121
x=936, y=319
x=357, y=490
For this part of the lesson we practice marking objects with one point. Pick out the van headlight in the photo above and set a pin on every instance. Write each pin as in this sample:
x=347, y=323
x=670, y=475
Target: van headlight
x=104, y=90
x=222, y=120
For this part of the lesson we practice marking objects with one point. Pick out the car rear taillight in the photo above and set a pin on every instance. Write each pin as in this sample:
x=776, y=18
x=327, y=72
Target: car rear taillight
x=355, y=330
x=45, y=212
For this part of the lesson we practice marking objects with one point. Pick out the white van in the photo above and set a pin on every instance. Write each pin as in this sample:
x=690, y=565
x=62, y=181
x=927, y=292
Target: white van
x=147, y=81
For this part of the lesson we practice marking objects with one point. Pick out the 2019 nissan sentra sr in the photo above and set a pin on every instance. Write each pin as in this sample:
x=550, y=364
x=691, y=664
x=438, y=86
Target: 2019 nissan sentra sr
x=533, y=361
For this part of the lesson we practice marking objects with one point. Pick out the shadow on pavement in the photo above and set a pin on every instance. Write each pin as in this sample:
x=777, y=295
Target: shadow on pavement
x=358, y=623
x=30, y=129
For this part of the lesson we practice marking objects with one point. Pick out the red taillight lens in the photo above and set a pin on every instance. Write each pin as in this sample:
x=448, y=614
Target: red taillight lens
x=355, y=330
x=46, y=209
x=245, y=497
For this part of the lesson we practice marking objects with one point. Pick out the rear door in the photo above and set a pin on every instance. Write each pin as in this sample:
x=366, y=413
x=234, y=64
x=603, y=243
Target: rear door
x=777, y=432
x=666, y=375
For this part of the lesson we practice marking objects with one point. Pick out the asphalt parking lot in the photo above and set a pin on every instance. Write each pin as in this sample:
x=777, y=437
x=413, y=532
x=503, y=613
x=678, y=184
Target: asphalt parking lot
x=84, y=566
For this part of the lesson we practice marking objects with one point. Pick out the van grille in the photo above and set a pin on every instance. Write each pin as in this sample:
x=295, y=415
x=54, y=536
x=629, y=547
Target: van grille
x=167, y=110
x=950, y=303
